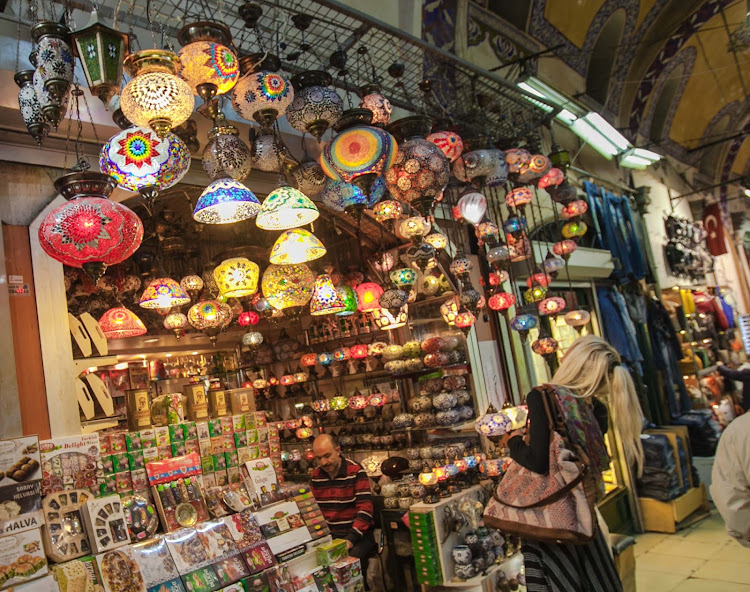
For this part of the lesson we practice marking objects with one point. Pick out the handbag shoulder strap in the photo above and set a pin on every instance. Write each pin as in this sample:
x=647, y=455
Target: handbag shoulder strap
x=552, y=409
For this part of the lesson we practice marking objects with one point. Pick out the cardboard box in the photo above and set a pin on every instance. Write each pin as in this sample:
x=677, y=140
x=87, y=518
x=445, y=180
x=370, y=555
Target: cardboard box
x=21, y=558
x=259, y=557
x=22, y=505
x=330, y=553
x=138, y=406
x=71, y=462
x=113, y=565
x=105, y=523
x=217, y=403
x=197, y=402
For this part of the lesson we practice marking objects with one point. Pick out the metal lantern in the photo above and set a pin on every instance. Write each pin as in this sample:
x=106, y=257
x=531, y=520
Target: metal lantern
x=31, y=109
x=237, y=277
x=90, y=231
x=156, y=97
x=102, y=52
x=176, y=322
x=262, y=94
x=119, y=322
x=226, y=155
x=315, y=107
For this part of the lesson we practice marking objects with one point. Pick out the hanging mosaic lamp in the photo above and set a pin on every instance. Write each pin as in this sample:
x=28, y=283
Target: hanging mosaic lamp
x=461, y=267
x=359, y=153
x=119, y=322
x=552, y=178
x=315, y=107
x=536, y=293
x=535, y=169
x=207, y=317
x=359, y=351
x=176, y=322
x=286, y=208
x=226, y=155
x=373, y=100
x=552, y=265
x=538, y=277
x=519, y=197
x=393, y=299
x=472, y=207
x=262, y=93
x=344, y=197
x=495, y=424
x=309, y=178
x=268, y=152
x=421, y=171
x=156, y=97
x=436, y=240
x=368, y=294
x=487, y=232
x=544, y=346
x=465, y=320
x=288, y=287
x=237, y=277
x=163, y=292
x=54, y=61
x=252, y=339
x=496, y=278
x=415, y=228
x=102, y=51
x=140, y=160
x=349, y=298
x=296, y=246
x=551, y=306
x=384, y=261
x=90, y=231
x=207, y=63
x=53, y=109
x=403, y=277
x=575, y=208
x=574, y=229
x=192, y=284
x=564, y=248
x=523, y=323
x=471, y=299
x=430, y=285
x=501, y=301
x=225, y=201
x=387, y=210
x=422, y=256
x=308, y=360
x=31, y=109
x=325, y=299
x=248, y=318
x=450, y=143
x=577, y=319
x=387, y=320
x=498, y=255
x=516, y=158
x=515, y=226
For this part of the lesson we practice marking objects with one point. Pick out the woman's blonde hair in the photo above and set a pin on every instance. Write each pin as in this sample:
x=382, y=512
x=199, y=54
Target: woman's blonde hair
x=592, y=367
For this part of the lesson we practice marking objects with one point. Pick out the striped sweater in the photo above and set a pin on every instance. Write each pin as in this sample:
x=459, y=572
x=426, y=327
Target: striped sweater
x=345, y=500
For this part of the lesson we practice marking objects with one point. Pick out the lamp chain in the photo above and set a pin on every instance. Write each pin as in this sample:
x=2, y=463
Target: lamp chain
x=18, y=37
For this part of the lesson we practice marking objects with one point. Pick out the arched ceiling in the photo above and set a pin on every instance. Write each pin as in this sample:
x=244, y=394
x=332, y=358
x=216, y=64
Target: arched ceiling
x=677, y=76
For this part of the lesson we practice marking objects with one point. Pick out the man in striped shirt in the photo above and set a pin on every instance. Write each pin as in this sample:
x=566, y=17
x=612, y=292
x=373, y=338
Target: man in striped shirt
x=342, y=490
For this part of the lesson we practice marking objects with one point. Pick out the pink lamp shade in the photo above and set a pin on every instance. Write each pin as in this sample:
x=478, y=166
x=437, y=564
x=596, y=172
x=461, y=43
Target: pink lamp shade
x=119, y=322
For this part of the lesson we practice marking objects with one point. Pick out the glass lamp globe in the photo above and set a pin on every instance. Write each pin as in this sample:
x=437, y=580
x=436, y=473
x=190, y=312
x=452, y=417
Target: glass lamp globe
x=176, y=322
x=237, y=277
x=119, y=322
x=403, y=277
x=296, y=246
x=393, y=299
x=449, y=310
x=519, y=197
x=472, y=206
x=156, y=97
x=225, y=201
x=564, y=248
x=501, y=301
x=343, y=197
x=261, y=95
x=387, y=320
x=349, y=298
x=450, y=143
x=252, y=339
x=388, y=209
x=430, y=285
x=436, y=240
x=207, y=64
x=523, y=323
x=163, y=293
x=268, y=152
x=288, y=287
x=315, y=107
x=464, y=320
x=208, y=317
x=192, y=284
x=309, y=178
x=574, y=229
x=325, y=299
x=577, y=318
x=31, y=109
x=368, y=294
x=415, y=227
x=139, y=160
x=226, y=155
x=380, y=106
x=574, y=208
x=552, y=265
x=544, y=346
x=247, y=318
x=89, y=231
x=286, y=208
x=552, y=305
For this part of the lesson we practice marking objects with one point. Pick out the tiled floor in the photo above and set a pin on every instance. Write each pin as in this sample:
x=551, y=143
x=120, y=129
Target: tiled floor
x=702, y=558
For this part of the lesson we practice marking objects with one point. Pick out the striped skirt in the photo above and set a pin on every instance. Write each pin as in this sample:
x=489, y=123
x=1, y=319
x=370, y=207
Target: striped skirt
x=553, y=567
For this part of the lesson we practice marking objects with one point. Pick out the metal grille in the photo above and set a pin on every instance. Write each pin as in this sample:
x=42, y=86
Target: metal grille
x=460, y=92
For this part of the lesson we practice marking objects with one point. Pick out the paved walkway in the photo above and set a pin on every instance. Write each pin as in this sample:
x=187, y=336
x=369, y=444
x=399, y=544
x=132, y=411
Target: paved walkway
x=702, y=558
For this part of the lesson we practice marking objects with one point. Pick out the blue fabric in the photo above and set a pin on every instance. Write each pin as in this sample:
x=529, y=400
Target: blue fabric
x=615, y=231
x=617, y=325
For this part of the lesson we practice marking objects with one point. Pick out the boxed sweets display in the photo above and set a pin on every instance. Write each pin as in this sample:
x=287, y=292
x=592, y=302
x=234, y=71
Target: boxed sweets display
x=21, y=558
x=20, y=461
x=105, y=523
x=72, y=462
x=157, y=566
x=175, y=486
x=20, y=507
x=65, y=537
x=119, y=571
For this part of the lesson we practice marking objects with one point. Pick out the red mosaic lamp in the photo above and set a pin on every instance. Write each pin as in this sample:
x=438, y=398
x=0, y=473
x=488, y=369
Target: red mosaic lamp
x=119, y=322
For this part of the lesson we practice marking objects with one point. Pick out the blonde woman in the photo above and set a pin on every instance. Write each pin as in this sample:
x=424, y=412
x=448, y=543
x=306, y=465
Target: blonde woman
x=590, y=372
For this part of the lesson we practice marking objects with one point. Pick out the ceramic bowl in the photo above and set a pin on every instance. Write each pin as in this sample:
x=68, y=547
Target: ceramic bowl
x=404, y=503
x=415, y=465
x=417, y=490
x=497, y=537
x=444, y=400
x=403, y=420
x=461, y=555
x=420, y=404
x=464, y=572
x=389, y=490
x=412, y=453
x=403, y=488
x=391, y=503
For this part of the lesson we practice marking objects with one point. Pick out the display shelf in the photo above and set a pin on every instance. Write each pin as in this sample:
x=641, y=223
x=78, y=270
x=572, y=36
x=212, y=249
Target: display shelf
x=426, y=371
x=363, y=337
x=82, y=364
x=459, y=427
x=374, y=374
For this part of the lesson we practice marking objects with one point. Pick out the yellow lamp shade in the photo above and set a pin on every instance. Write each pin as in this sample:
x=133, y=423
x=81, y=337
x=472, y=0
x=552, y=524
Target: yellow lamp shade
x=386, y=320
x=296, y=246
x=288, y=287
x=325, y=298
x=237, y=277
x=206, y=62
x=156, y=97
x=163, y=293
x=286, y=208
x=437, y=240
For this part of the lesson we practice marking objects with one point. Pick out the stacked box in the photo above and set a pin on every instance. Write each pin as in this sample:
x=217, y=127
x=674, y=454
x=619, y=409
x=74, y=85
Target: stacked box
x=425, y=546
x=345, y=572
x=332, y=552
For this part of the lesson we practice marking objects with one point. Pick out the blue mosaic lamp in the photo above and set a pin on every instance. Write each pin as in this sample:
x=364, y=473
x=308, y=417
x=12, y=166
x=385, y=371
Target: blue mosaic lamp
x=523, y=323
x=225, y=201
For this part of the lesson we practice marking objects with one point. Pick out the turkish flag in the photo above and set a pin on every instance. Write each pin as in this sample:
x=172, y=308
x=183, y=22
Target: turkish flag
x=715, y=229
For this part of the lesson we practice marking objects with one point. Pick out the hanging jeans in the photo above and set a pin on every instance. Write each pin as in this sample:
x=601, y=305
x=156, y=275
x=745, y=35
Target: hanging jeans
x=673, y=376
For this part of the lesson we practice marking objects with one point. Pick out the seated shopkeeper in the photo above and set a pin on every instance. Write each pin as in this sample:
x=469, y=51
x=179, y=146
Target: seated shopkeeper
x=342, y=490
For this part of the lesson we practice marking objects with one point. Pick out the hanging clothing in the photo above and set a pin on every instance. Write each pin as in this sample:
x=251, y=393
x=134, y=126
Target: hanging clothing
x=618, y=326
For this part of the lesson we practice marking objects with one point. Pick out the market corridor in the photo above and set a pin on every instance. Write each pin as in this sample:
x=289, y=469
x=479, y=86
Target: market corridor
x=702, y=558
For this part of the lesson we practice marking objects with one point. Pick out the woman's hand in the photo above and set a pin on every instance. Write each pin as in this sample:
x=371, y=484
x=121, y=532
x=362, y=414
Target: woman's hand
x=505, y=437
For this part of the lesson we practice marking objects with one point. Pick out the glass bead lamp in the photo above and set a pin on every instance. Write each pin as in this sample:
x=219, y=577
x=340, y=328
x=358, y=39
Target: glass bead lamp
x=349, y=298
x=261, y=94
x=207, y=63
x=577, y=319
x=436, y=240
x=139, y=160
x=226, y=155
x=90, y=231
x=325, y=299
x=325, y=358
x=535, y=294
x=119, y=322
x=176, y=322
x=192, y=284
x=344, y=197
x=53, y=60
x=288, y=287
x=551, y=306
x=523, y=323
x=342, y=354
x=252, y=339
x=296, y=246
x=415, y=227
x=247, y=318
x=564, y=248
x=575, y=208
x=225, y=201
x=393, y=299
x=430, y=285
x=286, y=208
x=501, y=301
x=31, y=110
x=465, y=320
x=387, y=320
x=519, y=197
x=515, y=226
x=163, y=292
x=315, y=107
x=552, y=265
x=268, y=152
x=237, y=277
x=207, y=317
x=421, y=171
x=403, y=277
x=575, y=229
x=308, y=360
x=487, y=232
x=387, y=210
x=449, y=310
x=339, y=403
x=450, y=143
x=358, y=351
x=545, y=346
x=461, y=267
x=309, y=178
x=373, y=99
x=156, y=97
x=368, y=294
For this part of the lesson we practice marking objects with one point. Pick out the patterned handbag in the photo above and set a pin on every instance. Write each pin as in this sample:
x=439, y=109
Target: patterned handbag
x=556, y=507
